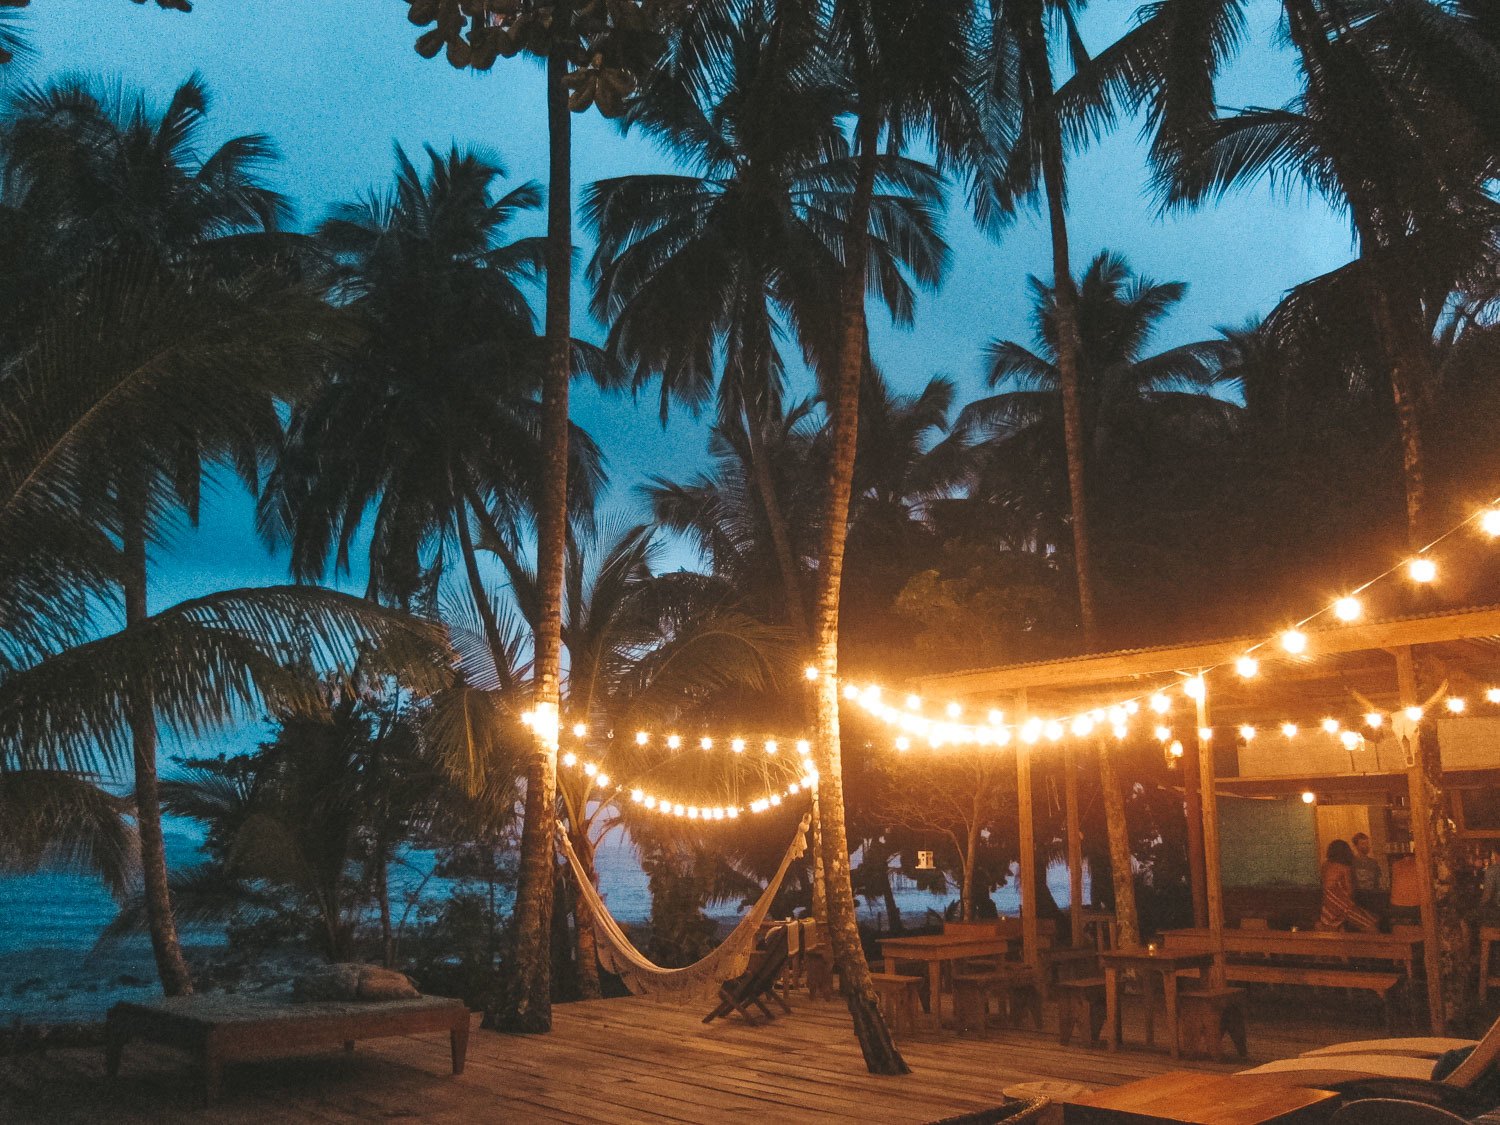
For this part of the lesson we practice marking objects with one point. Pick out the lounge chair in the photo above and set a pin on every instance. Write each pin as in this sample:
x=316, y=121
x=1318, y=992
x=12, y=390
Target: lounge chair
x=1398, y=1111
x=756, y=983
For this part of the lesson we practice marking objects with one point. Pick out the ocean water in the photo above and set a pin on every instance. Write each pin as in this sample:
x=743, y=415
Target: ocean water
x=51, y=922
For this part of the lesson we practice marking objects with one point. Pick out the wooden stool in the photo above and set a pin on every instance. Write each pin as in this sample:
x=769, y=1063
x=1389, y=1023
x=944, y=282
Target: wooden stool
x=971, y=1000
x=817, y=965
x=1080, y=999
x=1020, y=988
x=898, y=1001
x=1488, y=935
x=1204, y=1016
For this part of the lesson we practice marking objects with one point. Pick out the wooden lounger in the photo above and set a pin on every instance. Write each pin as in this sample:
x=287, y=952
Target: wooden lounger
x=755, y=983
x=219, y=1028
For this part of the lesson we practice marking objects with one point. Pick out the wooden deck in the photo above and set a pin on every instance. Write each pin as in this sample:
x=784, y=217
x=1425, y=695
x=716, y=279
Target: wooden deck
x=607, y=1061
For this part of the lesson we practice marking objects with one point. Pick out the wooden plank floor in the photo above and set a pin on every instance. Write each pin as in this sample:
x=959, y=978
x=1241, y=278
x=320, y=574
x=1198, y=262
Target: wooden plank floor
x=608, y=1061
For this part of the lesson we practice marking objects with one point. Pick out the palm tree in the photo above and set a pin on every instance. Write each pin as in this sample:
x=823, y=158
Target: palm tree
x=1393, y=126
x=592, y=54
x=1127, y=397
x=699, y=275
x=51, y=816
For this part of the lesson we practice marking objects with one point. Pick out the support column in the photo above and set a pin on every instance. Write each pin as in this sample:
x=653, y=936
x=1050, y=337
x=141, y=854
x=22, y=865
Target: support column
x=1212, y=874
x=1075, y=846
x=1192, y=794
x=1420, y=802
x=1027, y=828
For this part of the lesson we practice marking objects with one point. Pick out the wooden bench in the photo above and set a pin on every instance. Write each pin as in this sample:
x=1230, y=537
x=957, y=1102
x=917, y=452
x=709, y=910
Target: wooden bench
x=1206, y=1015
x=221, y=1028
x=1360, y=980
x=898, y=995
x=1014, y=987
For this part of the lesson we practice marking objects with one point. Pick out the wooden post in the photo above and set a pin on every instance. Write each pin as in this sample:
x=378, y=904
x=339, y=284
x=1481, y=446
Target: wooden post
x=1421, y=834
x=1192, y=794
x=1027, y=830
x=1212, y=875
x=1075, y=845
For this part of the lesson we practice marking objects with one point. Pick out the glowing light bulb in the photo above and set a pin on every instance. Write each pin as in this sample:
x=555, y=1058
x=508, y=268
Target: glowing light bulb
x=1309, y=797
x=1456, y=704
x=1194, y=687
x=603, y=780
x=851, y=692
x=737, y=745
x=996, y=718
x=1082, y=725
x=528, y=718
x=1247, y=732
x=570, y=759
x=1351, y=739
x=810, y=672
x=1294, y=641
x=590, y=769
x=793, y=789
x=775, y=798
x=692, y=812
x=1131, y=707
x=1414, y=714
x=1162, y=733
x=913, y=703
x=1422, y=570
x=1175, y=750
x=804, y=747
x=673, y=741
x=1247, y=666
x=1205, y=734
x=1160, y=703
x=903, y=744
x=954, y=710
x=1289, y=729
x=580, y=729
x=1374, y=720
x=1330, y=725
x=1492, y=695
x=732, y=812
x=1031, y=730
x=641, y=738
x=1053, y=731
x=1121, y=730
x=1489, y=522
x=771, y=746
x=679, y=810
x=1347, y=609
x=706, y=743
x=649, y=801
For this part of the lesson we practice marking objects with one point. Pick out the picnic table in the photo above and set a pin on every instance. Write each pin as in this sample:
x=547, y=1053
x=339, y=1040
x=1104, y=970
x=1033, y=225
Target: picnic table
x=1151, y=963
x=936, y=950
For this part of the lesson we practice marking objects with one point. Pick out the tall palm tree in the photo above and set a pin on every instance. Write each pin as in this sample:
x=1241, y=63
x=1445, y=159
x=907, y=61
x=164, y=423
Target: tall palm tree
x=591, y=54
x=1393, y=126
x=52, y=816
x=908, y=70
x=1030, y=127
x=133, y=189
x=700, y=275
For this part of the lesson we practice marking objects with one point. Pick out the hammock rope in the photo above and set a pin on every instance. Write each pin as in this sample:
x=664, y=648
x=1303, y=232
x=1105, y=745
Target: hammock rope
x=700, y=980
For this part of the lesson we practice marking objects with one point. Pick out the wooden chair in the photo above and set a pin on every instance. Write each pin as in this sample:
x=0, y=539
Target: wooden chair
x=1080, y=1000
x=898, y=995
x=756, y=983
x=1014, y=987
x=1206, y=1015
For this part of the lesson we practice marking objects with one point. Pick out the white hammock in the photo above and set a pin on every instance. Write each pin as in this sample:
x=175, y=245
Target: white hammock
x=701, y=979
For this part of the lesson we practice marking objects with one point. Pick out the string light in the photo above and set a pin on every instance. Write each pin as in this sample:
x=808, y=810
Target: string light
x=641, y=738
x=1289, y=729
x=1347, y=609
x=1414, y=714
x=1489, y=522
x=1374, y=720
x=1351, y=739
x=954, y=710
x=913, y=703
x=580, y=730
x=1456, y=704
x=1175, y=749
x=1160, y=703
x=1294, y=641
x=1247, y=666
x=706, y=743
x=1492, y=695
x=1331, y=726
x=996, y=718
x=810, y=672
x=1205, y=734
x=1163, y=733
x=674, y=741
x=804, y=747
x=1422, y=570
x=1308, y=797
x=737, y=745
x=570, y=759
x=1247, y=732
x=771, y=746
x=1194, y=687
x=903, y=743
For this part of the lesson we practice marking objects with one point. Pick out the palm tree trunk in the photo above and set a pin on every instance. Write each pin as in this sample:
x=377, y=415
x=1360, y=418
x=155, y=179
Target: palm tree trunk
x=1069, y=343
x=820, y=879
x=1410, y=372
x=383, y=897
x=585, y=939
x=880, y=1053
x=1120, y=866
x=971, y=866
x=171, y=966
x=781, y=538
x=529, y=1000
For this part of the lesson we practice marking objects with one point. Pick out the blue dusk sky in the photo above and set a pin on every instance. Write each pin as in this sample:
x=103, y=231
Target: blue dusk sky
x=336, y=83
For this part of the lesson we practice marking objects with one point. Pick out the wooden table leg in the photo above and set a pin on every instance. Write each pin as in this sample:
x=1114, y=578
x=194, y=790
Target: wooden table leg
x=458, y=1044
x=1169, y=996
x=1112, y=1007
x=935, y=993
x=1148, y=995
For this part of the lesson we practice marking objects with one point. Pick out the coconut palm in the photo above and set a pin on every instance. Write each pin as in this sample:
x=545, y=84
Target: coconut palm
x=51, y=817
x=701, y=276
